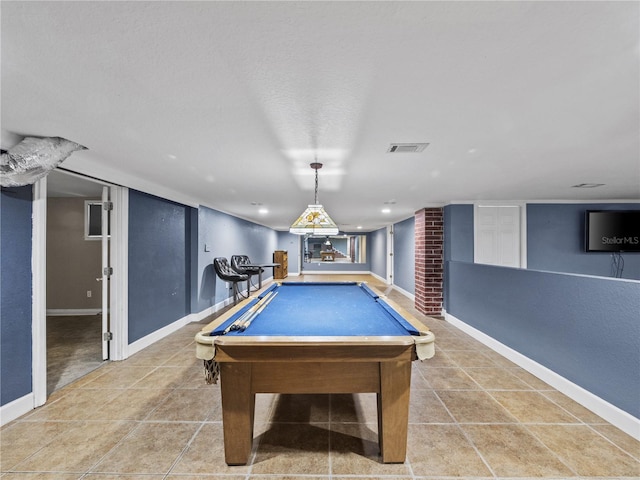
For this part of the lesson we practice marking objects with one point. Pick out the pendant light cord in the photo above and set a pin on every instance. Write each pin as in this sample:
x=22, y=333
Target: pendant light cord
x=316, y=166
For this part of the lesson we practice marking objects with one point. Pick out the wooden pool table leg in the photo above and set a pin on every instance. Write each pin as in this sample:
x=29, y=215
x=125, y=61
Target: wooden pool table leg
x=393, y=410
x=238, y=407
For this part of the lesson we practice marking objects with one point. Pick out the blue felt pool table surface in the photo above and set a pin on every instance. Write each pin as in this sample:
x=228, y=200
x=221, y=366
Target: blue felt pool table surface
x=321, y=309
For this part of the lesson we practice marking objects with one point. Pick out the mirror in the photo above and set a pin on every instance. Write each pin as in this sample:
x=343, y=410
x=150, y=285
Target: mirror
x=336, y=248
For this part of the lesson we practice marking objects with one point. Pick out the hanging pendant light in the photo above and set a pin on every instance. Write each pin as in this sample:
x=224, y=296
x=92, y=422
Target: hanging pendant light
x=314, y=220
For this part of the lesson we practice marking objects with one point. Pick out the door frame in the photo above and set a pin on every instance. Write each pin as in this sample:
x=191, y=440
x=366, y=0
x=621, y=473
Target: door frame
x=104, y=275
x=39, y=299
x=117, y=285
x=390, y=254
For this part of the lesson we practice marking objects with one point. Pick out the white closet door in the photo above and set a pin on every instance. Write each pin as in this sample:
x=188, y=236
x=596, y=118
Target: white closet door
x=497, y=237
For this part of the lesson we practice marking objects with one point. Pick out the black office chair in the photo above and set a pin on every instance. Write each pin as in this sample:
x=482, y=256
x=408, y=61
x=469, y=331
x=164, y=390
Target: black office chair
x=226, y=273
x=240, y=264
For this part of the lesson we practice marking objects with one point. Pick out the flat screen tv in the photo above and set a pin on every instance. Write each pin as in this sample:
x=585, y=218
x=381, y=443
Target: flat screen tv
x=613, y=231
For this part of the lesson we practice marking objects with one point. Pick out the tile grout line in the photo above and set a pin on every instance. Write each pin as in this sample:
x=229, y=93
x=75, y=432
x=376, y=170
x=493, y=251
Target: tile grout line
x=130, y=433
x=519, y=423
x=555, y=454
x=464, y=434
x=184, y=450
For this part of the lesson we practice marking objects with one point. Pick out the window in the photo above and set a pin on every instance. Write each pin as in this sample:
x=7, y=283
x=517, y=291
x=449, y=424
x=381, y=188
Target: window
x=93, y=220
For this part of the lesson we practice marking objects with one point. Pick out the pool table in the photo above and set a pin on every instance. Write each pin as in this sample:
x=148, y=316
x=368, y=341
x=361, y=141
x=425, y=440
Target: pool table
x=298, y=337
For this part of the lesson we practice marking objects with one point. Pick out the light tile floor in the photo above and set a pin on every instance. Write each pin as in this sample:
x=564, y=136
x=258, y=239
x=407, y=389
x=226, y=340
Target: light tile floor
x=473, y=415
x=73, y=348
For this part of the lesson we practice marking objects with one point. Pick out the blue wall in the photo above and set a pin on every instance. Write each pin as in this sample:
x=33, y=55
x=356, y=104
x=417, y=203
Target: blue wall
x=377, y=245
x=583, y=328
x=159, y=263
x=15, y=293
x=555, y=240
x=293, y=245
x=404, y=255
x=458, y=228
x=223, y=235
x=458, y=241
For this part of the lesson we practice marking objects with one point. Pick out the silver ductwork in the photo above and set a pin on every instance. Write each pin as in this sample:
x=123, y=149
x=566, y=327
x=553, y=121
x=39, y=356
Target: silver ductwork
x=33, y=158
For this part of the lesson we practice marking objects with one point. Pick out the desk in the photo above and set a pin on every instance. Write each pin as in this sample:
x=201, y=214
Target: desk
x=300, y=343
x=261, y=267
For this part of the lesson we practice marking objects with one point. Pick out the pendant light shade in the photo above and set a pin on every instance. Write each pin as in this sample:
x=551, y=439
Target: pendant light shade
x=314, y=220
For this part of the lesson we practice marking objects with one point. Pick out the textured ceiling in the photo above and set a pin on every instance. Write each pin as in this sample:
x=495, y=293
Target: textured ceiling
x=225, y=104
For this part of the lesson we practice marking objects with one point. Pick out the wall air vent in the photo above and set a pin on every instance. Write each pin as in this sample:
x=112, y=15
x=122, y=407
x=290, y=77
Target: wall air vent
x=407, y=147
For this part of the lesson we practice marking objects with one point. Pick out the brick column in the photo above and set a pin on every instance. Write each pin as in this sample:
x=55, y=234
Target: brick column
x=429, y=260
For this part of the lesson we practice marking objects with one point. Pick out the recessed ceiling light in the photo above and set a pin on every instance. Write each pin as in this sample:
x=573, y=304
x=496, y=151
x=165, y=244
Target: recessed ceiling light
x=587, y=185
x=263, y=211
x=359, y=227
x=386, y=210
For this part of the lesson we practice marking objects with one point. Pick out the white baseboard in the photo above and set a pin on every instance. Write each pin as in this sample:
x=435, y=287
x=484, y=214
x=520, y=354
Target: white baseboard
x=405, y=293
x=212, y=309
x=16, y=409
x=150, y=339
x=336, y=272
x=72, y=312
x=378, y=277
x=612, y=414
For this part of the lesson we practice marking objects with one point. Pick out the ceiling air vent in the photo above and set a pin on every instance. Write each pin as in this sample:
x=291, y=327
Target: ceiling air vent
x=588, y=185
x=407, y=147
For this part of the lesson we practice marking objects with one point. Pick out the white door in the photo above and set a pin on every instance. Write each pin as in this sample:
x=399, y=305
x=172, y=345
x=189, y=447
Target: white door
x=106, y=212
x=497, y=235
x=390, y=279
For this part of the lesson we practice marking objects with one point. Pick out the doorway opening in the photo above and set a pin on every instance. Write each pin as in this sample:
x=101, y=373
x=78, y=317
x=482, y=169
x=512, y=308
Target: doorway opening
x=74, y=280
